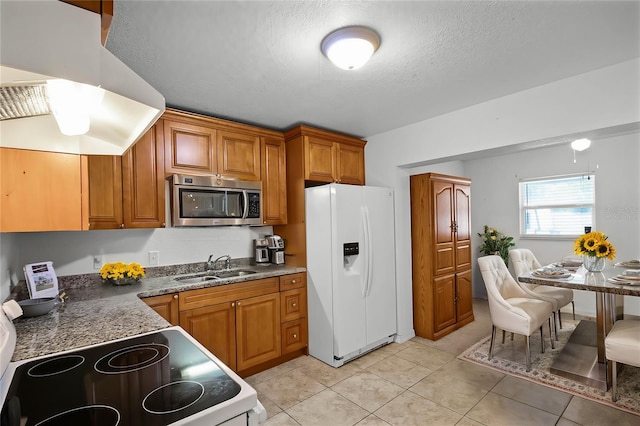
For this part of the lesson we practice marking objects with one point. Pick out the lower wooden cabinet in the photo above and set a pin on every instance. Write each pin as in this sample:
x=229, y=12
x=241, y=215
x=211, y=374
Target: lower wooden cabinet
x=251, y=325
x=165, y=305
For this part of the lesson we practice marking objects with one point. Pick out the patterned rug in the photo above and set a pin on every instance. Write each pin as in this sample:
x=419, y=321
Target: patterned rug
x=510, y=359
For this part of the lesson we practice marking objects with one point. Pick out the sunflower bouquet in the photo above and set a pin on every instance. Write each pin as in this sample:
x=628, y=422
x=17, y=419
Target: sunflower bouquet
x=594, y=244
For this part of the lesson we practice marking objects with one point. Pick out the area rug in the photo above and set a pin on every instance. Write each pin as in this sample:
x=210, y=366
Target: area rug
x=509, y=358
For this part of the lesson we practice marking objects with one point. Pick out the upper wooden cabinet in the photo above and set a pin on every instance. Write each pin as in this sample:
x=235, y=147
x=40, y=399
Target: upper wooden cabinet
x=274, y=181
x=129, y=191
x=239, y=155
x=197, y=144
x=42, y=191
x=189, y=148
x=105, y=192
x=329, y=157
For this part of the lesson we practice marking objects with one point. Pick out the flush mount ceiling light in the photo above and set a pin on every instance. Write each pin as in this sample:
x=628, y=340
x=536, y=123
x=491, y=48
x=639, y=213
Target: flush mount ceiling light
x=580, y=144
x=350, y=48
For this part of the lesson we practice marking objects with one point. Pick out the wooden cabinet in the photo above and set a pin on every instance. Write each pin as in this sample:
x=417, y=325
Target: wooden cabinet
x=249, y=326
x=143, y=183
x=239, y=155
x=293, y=312
x=189, y=148
x=327, y=158
x=128, y=191
x=274, y=181
x=239, y=323
x=42, y=191
x=441, y=254
x=315, y=157
x=166, y=306
x=105, y=192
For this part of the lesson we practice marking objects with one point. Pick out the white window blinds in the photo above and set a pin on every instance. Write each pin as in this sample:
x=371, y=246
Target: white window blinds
x=557, y=206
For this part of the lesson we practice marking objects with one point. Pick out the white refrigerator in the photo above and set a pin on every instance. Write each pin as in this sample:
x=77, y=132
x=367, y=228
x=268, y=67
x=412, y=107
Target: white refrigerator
x=351, y=273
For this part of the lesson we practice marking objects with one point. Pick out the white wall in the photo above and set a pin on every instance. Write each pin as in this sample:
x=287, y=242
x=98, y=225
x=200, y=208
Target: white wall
x=591, y=102
x=72, y=252
x=615, y=160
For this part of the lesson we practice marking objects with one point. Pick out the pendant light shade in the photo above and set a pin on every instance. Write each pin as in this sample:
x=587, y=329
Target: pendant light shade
x=350, y=48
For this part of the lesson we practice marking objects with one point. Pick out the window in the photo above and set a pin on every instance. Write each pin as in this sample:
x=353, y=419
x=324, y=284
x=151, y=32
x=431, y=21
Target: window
x=557, y=206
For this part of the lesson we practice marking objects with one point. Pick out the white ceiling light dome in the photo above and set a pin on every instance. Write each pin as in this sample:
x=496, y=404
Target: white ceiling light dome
x=351, y=47
x=580, y=144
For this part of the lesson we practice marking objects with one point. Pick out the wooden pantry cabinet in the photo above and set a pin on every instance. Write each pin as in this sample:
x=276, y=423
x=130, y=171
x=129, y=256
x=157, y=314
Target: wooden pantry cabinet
x=42, y=191
x=441, y=254
x=129, y=191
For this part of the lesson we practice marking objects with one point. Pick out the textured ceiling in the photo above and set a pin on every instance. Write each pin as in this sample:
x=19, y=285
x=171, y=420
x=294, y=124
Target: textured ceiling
x=260, y=62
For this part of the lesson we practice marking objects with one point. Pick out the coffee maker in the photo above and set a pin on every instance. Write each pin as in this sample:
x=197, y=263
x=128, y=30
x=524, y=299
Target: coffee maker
x=261, y=250
x=276, y=249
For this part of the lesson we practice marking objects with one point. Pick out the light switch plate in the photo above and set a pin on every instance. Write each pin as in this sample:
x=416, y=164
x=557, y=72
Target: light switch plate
x=153, y=257
x=97, y=262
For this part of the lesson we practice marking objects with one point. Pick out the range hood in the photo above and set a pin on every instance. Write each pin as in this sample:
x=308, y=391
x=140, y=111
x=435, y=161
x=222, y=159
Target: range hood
x=47, y=40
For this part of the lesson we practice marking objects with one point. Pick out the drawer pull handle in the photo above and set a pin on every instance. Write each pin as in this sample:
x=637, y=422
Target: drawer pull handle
x=293, y=281
x=295, y=336
x=233, y=304
x=175, y=296
x=294, y=305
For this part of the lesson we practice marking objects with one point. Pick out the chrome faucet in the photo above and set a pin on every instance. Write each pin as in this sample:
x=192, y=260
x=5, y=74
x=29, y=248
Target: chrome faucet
x=212, y=265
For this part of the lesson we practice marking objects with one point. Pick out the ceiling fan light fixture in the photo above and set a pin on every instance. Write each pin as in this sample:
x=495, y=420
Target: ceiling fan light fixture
x=580, y=144
x=351, y=47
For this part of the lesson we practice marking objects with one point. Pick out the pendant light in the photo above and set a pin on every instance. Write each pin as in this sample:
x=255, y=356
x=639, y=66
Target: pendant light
x=351, y=47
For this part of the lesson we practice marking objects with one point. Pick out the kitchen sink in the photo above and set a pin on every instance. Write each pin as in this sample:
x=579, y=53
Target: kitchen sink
x=235, y=273
x=194, y=280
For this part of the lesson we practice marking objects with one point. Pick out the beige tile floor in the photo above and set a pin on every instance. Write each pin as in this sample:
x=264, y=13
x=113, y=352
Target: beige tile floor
x=420, y=382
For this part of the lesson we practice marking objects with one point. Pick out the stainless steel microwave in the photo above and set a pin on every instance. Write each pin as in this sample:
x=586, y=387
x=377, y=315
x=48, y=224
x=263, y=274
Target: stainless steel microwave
x=213, y=201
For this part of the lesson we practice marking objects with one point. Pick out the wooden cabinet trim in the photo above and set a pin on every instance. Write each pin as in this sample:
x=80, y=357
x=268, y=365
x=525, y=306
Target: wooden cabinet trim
x=217, y=123
x=227, y=293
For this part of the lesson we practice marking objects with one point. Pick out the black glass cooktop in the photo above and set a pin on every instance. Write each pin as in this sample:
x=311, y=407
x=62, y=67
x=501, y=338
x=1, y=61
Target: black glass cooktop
x=155, y=379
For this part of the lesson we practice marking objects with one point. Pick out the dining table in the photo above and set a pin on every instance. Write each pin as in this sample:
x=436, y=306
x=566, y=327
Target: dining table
x=583, y=359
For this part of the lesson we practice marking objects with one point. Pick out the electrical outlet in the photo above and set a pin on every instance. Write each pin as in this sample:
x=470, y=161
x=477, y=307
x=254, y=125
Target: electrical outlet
x=153, y=257
x=97, y=262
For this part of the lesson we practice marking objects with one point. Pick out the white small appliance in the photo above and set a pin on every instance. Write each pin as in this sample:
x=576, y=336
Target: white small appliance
x=261, y=250
x=351, y=272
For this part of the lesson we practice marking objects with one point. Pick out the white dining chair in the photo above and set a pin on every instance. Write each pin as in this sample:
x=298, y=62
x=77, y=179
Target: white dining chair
x=510, y=307
x=622, y=344
x=523, y=260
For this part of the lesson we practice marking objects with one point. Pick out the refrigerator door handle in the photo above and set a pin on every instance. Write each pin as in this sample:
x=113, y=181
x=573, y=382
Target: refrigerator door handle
x=369, y=256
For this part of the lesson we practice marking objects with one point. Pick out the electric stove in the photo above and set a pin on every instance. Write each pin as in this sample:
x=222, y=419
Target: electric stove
x=159, y=378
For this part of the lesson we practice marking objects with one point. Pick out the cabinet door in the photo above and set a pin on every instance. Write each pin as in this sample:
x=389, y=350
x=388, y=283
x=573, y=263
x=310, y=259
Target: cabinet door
x=189, y=148
x=320, y=160
x=239, y=155
x=442, y=201
x=350, y=164
x=143, y=182
x=215, y=328
x=258, y=330
x=274, y=182
x=464, y=295
x=444, y=308
x=41, y=191
x=105, y=192
x=463, y=226
x=166, y=306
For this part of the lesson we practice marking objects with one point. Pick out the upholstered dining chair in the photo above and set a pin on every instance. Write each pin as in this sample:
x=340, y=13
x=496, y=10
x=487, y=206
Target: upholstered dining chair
x=510, y=307
x=523, y=260
x=622, y=344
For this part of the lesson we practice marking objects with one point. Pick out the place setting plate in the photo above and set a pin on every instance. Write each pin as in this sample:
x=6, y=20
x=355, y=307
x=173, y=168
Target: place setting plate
x=631, y=264
x=551, y=273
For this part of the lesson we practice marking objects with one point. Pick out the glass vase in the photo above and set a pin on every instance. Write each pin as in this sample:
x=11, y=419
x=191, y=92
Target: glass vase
x=593, y=263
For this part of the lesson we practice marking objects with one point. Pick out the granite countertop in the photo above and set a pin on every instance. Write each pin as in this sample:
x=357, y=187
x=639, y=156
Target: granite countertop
x=95, y=312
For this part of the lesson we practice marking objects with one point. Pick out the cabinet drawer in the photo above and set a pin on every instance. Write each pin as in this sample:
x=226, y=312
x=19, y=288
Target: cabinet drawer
x=289, y=282
x=294, y=335
x=293, y=304
x=227, y=293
